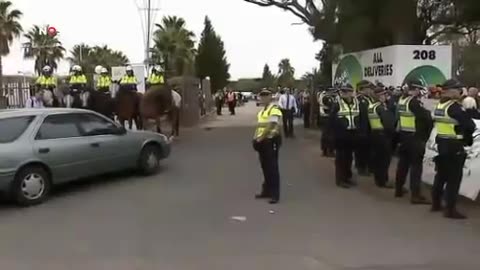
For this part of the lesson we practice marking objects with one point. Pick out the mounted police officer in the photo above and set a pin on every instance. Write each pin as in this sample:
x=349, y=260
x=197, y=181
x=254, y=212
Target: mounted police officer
x=345, y=123
x=362, y=152
x=104, y=81
x=382, y=128
x=155, y=77
x=46, y=81
x=415, y=125
x=267, y=142
x=78, y=80
x=454, y=131
x=326, y=99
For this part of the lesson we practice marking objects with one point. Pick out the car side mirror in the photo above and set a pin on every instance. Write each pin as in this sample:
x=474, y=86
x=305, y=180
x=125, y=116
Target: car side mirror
x=119, y=131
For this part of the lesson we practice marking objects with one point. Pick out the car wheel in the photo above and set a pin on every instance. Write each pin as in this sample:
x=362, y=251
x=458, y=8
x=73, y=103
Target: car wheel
x=31, y=186
x=149, y=162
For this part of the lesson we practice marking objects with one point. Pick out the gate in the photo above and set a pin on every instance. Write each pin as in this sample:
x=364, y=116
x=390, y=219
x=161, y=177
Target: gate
x=14, y=95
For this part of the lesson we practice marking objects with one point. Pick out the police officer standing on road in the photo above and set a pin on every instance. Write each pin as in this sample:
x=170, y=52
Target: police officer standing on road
x=454, y=130
x=326, y=99
x=267, y=141
x=382, y=128
x=345, y=123
x=415, y=125
x=362, y=152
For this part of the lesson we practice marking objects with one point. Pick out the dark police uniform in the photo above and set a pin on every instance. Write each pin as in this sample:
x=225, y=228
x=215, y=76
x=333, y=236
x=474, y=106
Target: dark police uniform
x=326, y=100
x=345, y=122
x=362, y=151
x=415, y=125
x=266, y=142
x=454, y=130
x=382, y=128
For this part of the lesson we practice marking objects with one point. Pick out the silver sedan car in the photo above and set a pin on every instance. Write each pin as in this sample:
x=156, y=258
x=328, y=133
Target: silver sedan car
x=43, y=147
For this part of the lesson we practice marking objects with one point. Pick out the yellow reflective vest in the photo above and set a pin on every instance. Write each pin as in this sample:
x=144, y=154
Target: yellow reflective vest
x=46, y=81
x=128, y=80
x=155, y=79
x=349, y=113
x=407, y=118
x=104, y=82
x=263, y=121
x=373, y=117
x=78, y=79
x=444, y=124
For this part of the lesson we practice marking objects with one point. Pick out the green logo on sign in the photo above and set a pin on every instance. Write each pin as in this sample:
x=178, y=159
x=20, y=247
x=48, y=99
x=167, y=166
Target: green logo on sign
x=428, y=75
x=349, y=71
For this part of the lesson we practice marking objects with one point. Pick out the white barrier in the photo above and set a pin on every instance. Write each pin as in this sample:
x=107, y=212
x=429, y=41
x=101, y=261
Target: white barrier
x=470, y=187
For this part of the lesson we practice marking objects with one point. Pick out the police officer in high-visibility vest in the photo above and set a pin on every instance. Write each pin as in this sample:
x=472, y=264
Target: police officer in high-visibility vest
x=326, y=99
x=414, y=126
x=128, y=82
x=77, y=80
x=382, y=128
x=155, y=77
x=46, y=80
x=362, y=151
x=104, y=81
x=267, y=141
x=454, y=129
x=344, y=120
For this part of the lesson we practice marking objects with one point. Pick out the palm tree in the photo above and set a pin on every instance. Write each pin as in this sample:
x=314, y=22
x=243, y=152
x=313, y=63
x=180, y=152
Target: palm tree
x=45, y=49
x=10, y=28
x=89, y=57
x=312, y=78
x=174, y=46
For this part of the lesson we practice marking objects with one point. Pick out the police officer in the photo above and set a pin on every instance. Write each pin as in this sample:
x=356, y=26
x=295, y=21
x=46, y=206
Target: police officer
x=415, y=125
x=344, y=121
x=78, y=80
x=156, y=77
x=326, y=99
x=266, y=142
x=382, y=128
x=362, y=152
x=129, y=81
x=46, y=80
x=454, y=131
x=104, y=81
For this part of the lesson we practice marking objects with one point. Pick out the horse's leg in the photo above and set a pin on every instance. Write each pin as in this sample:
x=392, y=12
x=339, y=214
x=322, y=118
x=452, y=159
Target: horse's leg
x=176, y=121
x=130, y=123
x=158, y=124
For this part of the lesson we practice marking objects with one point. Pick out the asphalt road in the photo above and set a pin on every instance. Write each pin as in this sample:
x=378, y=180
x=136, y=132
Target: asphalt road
x=181, y=218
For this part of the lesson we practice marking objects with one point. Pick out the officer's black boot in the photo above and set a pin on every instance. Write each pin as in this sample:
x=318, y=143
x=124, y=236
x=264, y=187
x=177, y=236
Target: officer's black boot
x=454, y=214
x=419, y=199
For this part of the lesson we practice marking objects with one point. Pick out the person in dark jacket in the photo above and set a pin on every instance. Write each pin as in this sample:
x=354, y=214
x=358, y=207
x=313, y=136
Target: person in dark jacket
x=382, y=128
x=415, y=125
x=362, y=151
x=455, y=129
x=344, y=121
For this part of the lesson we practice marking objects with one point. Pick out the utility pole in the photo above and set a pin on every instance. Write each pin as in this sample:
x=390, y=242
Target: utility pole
x=147, y=20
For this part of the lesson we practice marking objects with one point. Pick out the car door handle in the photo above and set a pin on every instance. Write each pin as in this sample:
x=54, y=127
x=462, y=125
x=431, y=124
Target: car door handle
x=95, y=144
x=43, y=150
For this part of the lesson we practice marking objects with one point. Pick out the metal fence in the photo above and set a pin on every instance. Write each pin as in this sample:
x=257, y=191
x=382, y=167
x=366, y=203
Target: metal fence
x=14, y=95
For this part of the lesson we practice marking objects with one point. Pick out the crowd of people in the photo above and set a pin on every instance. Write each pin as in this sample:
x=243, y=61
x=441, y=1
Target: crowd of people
x=365, y=127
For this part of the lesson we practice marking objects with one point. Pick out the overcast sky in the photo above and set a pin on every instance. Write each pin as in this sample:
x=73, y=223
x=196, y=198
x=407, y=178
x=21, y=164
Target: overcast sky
x=253, y=35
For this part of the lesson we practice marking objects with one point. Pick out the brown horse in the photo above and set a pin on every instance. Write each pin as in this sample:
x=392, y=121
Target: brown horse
x=162, y=101
x=127, y=108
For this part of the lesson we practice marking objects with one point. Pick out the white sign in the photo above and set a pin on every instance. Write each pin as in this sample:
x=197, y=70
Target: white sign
x=393, y=65
x=470, y=187
x=139, y=71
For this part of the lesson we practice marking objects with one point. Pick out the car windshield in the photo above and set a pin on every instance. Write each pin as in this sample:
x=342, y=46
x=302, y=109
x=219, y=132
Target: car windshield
x=12, y=128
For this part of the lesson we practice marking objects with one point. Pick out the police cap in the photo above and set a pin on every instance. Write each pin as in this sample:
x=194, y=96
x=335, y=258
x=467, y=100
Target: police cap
x=415, y=84
x=265, y=93
x=452, y=84
x=364, y=84
x=346, y=87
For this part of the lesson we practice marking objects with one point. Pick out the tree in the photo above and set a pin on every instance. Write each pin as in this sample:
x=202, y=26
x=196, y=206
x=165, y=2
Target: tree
x=89, y=57
x=45, y=49
x=312, y=79
x=268, y=79
x=174, y=47
x=211, y=60
x=286, y=73
x=10, y=28
x=352, y=25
